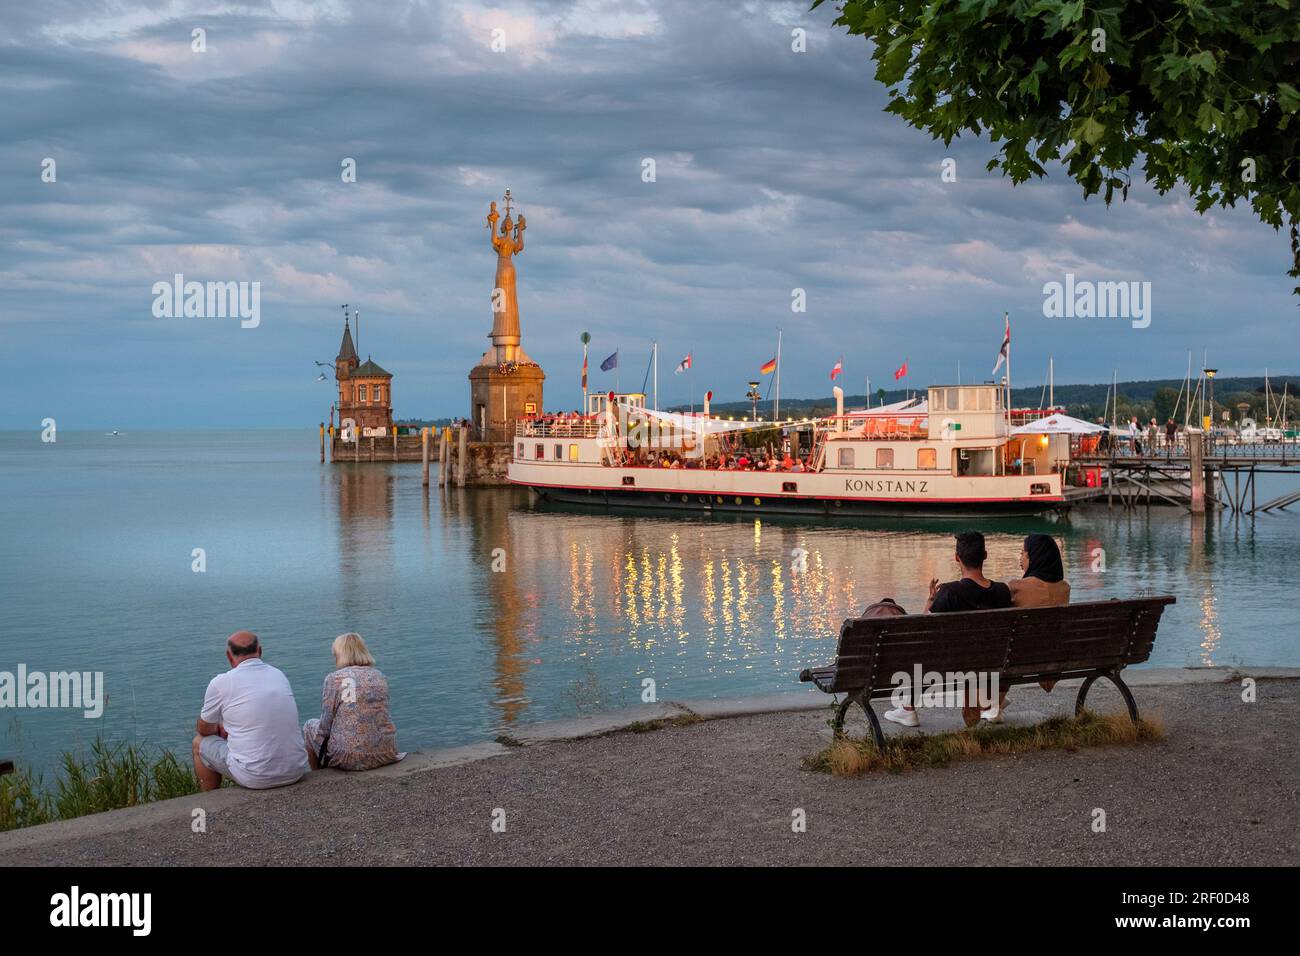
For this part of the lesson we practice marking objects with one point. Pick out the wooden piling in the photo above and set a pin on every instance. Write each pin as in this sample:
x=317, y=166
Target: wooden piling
x=322, y=443
x=372, y=447
x=356, y=437
x=394, y=443
x=1196, y=469
x=462, y=453
x=424, y=453
x=444, y=455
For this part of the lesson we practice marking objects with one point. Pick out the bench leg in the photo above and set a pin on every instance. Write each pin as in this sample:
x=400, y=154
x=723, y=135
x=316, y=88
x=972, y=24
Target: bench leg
x=1122, y=687
x=838, y=725
x=877, y=734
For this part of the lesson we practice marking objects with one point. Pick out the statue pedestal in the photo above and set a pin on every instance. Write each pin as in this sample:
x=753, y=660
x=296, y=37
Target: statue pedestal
x=499, y=397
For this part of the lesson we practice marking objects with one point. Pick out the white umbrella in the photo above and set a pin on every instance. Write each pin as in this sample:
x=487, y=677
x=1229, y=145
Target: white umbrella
x=1058, y=425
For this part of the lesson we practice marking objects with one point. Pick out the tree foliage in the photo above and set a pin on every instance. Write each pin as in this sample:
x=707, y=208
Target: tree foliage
x=1202, y=92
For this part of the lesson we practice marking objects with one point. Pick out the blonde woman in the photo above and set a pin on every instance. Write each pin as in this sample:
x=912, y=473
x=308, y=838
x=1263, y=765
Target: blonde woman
x=354, y=731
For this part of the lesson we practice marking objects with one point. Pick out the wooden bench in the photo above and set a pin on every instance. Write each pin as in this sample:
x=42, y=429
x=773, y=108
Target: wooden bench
x=1021, y=645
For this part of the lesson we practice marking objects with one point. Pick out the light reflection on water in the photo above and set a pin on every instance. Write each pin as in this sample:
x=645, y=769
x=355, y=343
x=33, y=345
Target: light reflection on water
x=97, y=559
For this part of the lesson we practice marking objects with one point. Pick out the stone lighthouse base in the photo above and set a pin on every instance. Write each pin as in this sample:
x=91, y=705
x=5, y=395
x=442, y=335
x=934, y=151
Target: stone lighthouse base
x=499, y=396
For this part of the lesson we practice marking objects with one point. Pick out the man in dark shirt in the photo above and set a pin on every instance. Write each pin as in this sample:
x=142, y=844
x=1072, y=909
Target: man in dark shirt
x=971, y=592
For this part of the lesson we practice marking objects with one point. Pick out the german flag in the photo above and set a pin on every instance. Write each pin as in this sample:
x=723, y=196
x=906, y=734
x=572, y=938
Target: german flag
x=768, y=368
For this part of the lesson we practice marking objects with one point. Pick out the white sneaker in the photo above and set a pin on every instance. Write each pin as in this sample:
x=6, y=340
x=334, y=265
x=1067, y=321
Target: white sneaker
x=993, y=715
x=901, y=715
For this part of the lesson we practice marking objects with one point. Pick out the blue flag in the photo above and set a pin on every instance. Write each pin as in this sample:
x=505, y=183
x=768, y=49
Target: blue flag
x=609, y=363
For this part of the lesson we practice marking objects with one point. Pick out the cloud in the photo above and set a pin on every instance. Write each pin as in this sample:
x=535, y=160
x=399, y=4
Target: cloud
x=775, y=170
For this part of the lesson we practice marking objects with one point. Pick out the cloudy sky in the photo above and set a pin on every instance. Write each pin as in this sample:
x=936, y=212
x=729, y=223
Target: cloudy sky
x=775, y=170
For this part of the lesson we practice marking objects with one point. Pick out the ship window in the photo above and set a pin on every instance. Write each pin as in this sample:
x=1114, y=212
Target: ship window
x=926, y=458
x=573, y=453
x=539, y=452
x=519, y=450
x=559, y=453
x=789, y=487
x=936, y=400
x=845, y=459
x=985, y=400
x=884, y=458
x=629, y=480
x=951, y=400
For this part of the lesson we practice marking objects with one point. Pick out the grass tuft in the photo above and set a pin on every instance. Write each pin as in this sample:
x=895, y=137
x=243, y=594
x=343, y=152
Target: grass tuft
x=109, y=777
x=852, y=758
x=646, y=726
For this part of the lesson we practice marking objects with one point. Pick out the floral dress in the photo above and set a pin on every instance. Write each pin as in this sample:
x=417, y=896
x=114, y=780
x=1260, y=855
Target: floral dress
x=355, y=719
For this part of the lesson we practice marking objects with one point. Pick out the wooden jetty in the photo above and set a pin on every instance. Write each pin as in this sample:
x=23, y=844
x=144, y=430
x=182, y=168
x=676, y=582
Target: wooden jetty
x=1194, y=477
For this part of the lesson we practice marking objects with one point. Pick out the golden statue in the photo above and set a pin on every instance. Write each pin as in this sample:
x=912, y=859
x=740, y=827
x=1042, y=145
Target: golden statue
x=508, y=243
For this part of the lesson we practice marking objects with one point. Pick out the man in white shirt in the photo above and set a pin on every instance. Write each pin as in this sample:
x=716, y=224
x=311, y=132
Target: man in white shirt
x=248, y=729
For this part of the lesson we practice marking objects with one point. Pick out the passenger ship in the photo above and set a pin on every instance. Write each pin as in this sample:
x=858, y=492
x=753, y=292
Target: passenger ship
x=951, y=453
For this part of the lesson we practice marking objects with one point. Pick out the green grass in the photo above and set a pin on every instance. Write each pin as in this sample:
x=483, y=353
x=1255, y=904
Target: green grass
x=107, y=777
x=851, y=758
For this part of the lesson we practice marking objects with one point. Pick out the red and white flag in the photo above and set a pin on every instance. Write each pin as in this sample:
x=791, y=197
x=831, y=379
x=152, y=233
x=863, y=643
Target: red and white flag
x=683, y=365
x=839, y=367
x=901, y=373
x=1006, y=346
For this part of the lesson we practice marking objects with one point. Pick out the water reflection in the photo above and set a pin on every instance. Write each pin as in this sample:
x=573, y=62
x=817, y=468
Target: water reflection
x=589, y=603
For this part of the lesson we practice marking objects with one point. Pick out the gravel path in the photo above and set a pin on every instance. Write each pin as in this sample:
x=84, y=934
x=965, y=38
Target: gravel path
x=1221, y=789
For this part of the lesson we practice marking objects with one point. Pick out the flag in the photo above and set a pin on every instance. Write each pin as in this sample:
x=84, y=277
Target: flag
x=609, y=363
x=683, y=365
x=584, y=367
x=768, y=368
x=839, y=367
x=1006, y=346
x=901, y=373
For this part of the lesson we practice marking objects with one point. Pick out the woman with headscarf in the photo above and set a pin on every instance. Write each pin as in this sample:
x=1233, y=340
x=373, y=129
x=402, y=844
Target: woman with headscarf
x=1044, y=583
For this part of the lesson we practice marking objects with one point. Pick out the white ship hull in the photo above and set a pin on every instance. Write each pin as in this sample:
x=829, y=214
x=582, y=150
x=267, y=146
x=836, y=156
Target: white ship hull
x=825, y=493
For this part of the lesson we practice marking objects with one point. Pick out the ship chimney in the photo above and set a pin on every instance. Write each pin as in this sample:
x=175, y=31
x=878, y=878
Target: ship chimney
x=839, y=408
x=708, y=397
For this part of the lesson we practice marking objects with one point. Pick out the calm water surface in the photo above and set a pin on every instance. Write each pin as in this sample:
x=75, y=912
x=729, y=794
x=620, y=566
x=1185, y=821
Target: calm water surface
x=97, y=535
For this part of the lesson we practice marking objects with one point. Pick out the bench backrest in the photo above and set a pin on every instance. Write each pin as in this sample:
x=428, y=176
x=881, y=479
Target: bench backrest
x=1018, y=643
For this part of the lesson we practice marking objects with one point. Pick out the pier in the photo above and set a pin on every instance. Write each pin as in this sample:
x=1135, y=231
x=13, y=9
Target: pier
x=1190, y=476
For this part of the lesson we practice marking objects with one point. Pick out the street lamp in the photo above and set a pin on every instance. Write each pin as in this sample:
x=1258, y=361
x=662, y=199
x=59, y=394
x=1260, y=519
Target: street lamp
x=753, y=395
x=1209, y=377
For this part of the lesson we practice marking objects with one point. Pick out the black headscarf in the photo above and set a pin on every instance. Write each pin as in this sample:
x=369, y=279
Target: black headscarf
x=1044, y=559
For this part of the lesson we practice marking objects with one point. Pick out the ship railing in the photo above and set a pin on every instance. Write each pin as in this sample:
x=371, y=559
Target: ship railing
x=880, y=428
x=557, y=428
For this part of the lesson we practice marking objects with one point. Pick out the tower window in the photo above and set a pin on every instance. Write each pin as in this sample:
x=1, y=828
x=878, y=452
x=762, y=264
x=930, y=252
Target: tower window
x=361, y=394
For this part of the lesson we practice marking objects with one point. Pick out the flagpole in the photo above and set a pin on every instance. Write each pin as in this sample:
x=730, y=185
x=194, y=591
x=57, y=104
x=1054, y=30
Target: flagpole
x=776, y=404
x=1006, y=318
x=656, y=361
x=584, y=378
x=868, y=391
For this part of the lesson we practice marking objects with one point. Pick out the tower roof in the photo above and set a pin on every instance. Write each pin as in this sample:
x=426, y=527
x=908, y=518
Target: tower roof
x=347, y=351
x=368, y=367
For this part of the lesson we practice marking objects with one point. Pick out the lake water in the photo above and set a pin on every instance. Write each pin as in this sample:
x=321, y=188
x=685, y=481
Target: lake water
x=98, y=534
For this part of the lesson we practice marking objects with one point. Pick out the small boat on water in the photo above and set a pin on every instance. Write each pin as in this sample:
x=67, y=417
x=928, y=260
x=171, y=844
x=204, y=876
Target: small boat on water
x=951, y=453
